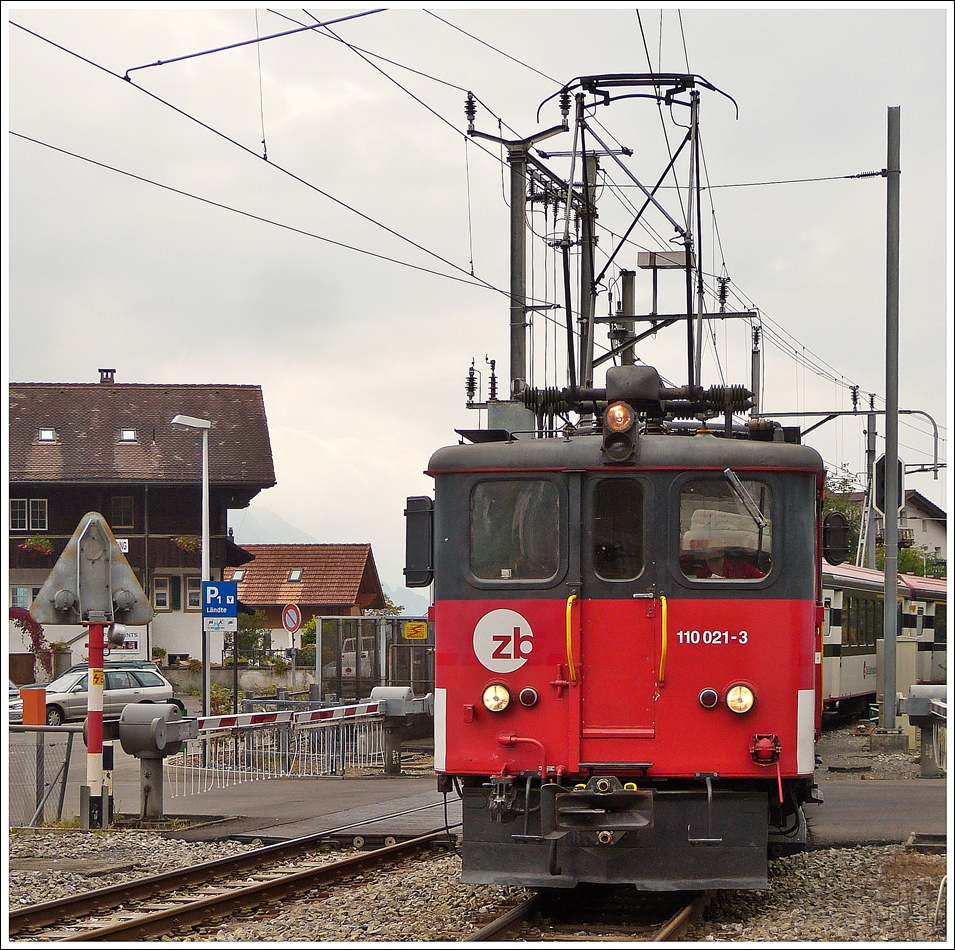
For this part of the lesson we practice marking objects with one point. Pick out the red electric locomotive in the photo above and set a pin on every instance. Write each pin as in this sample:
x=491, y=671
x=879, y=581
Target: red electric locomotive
x=628, y=611
x=627, y=650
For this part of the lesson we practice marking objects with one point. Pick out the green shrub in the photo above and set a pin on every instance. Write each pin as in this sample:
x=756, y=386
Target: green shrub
x=220, y=700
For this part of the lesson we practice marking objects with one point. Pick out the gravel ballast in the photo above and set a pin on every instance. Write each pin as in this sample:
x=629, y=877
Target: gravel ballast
x=872, y=893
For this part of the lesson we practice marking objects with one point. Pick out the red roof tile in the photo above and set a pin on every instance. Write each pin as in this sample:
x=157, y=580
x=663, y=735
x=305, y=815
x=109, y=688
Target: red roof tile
x=332, y=574
x=88, y=419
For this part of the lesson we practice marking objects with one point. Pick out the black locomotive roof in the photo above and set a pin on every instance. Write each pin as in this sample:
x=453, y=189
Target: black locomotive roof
x=582, y=452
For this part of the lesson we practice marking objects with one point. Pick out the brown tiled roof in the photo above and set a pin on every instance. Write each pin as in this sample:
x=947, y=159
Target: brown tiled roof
x=332, y=574
x=88, y=418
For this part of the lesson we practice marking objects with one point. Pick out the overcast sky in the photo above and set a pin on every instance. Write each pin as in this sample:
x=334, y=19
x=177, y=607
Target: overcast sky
x=362, y=347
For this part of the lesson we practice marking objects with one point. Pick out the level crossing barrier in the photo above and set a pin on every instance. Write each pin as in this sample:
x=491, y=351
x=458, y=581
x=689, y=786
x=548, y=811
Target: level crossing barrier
x=255, y=746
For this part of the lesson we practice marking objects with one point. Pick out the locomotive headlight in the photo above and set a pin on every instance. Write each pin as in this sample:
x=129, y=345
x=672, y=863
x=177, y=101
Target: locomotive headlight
x=496, y=698
x=740, y=699
x=619, y=417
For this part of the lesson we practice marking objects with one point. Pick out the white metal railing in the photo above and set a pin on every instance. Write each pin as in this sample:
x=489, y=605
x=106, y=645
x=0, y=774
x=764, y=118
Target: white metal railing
x=251, y=747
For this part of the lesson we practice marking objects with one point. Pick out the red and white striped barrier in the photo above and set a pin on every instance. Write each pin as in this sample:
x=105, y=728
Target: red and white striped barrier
x=354, y=711
x=287, y=716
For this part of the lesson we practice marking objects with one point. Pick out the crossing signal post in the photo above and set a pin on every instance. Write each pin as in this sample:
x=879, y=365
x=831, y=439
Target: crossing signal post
x=93, y=584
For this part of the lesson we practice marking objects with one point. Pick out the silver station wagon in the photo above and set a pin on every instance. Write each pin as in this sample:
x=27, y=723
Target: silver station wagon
x=67, y=696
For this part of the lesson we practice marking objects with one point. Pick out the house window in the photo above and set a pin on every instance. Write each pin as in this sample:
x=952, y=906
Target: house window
x=47, y=435
x=28, y=514
x=127, y=435
x=38, y=521
x=23, y=596
x=238, y=575
x=295, y=575
x=161, y=593
x=167, y=593
x=193, y=593
x=18, y=514
x=122, y=511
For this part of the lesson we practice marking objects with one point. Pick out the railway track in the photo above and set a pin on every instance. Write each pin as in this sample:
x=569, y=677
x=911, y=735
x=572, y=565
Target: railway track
x=199, y=895
x=647, y=918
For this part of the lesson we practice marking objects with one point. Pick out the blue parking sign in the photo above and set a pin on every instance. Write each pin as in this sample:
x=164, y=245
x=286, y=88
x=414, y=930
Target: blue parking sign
x=220, y=600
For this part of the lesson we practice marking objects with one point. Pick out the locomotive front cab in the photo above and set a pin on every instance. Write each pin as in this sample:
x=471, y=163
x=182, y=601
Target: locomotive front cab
x=625, y=657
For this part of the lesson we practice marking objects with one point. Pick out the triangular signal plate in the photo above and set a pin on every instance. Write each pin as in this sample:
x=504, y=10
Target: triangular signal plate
x=92, y=581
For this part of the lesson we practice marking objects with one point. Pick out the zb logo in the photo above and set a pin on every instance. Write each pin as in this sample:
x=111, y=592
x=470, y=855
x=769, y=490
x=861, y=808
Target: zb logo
x=503, y=640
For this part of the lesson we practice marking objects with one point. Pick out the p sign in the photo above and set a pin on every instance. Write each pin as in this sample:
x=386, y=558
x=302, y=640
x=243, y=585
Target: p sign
x=503, y=640
x=220, y=606
x=291, y=618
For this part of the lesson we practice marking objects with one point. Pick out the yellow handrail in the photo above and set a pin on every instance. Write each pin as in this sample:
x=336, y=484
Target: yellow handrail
x=663, y=638
x=570, y=654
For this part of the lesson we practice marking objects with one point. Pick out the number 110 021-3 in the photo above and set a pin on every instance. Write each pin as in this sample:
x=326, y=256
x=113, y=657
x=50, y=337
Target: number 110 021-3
x=711, y=636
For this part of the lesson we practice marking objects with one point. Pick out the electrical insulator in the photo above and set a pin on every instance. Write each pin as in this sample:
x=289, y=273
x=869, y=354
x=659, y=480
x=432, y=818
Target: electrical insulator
x=723, y=282
x=855, y=398
x=470, y=110
x=492, y=385
x=471, y=384
x=565, y=103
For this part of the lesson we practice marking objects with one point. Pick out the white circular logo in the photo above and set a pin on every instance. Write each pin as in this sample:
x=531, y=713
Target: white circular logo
x=503, y=640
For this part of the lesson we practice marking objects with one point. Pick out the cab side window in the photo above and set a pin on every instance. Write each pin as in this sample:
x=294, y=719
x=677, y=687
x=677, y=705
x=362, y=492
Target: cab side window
x=514, y=530
x=618, y=529
x=725, y=535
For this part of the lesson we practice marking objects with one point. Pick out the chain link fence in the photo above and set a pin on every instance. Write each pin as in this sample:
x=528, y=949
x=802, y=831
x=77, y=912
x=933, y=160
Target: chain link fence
x=38, y=763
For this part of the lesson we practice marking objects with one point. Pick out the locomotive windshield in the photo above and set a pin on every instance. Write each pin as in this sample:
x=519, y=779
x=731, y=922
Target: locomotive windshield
x=515, y=530
x=720, y=539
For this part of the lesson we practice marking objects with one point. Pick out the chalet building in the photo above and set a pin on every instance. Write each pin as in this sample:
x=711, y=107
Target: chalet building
x=322, y=580
x=112, y=448
x=922, y=524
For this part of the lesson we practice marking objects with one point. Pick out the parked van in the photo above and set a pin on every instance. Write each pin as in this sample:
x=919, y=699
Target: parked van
x=352, y=665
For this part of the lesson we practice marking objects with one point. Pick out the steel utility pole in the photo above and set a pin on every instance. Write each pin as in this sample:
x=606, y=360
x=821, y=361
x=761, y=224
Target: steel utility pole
x=891, y=568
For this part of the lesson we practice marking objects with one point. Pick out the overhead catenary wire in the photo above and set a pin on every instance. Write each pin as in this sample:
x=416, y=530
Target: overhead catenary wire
x=256, y=217
x=292, y=175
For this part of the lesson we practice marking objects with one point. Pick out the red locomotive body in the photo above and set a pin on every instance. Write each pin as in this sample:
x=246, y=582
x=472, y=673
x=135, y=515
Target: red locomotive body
x=615, y=701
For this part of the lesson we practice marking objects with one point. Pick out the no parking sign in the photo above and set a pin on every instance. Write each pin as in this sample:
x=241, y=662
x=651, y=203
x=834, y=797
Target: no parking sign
x=291, y=617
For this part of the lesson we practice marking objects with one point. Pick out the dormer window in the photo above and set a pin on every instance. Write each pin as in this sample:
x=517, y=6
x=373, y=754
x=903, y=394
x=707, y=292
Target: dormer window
x=238, y=575
x=47, y=435
x=127, y=435
x=295, y=575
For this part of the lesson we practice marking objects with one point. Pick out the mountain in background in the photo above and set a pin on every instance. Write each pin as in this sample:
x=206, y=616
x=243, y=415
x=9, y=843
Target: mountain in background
x=258, y=525
x=413, y=603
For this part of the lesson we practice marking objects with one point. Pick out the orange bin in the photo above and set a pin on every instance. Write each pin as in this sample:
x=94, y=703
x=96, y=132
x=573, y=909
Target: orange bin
x=34, y=706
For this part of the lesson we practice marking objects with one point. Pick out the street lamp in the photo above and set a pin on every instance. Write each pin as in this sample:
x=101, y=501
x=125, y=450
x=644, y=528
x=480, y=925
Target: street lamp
x=191, y=422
